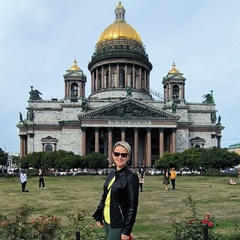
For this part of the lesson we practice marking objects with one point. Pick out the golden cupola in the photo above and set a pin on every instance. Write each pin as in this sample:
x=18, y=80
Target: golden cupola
x=74, y=66
x=119, y=29
x=173, y=70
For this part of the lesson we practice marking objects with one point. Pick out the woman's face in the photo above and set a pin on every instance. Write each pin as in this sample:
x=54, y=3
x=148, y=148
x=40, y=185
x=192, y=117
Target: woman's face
x=120, y=157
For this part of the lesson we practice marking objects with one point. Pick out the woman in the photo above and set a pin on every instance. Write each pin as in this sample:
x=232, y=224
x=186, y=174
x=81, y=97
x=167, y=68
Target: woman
x=166, y=176
x=119, y=201
x=41, y=182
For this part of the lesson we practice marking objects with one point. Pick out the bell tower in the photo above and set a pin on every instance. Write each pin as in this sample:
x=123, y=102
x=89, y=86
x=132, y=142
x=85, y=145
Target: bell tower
x=75, y=82
x=174, y=86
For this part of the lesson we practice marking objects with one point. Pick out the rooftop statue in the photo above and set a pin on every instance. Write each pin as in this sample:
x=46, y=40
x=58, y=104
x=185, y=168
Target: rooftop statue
x=174, y=107
x=20, y=117
x=34, y=94
x=84, y=105
x=129, y=90
x=208, y=98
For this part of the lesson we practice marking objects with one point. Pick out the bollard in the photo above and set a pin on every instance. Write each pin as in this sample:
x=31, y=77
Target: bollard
x=77, y=235
x=205, y=232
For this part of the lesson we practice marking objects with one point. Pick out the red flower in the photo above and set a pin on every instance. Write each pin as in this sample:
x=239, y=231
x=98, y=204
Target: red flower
x=33, y=221
x=208, y=215
x=210, y=224
x=191, y=221
x=205, y=221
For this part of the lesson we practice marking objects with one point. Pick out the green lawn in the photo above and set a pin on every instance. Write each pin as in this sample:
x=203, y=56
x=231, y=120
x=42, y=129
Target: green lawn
x=156, y=206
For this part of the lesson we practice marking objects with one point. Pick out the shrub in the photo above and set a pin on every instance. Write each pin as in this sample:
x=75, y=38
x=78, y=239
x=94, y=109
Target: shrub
x=192, y=227
x=212, y=172
x=20, y=227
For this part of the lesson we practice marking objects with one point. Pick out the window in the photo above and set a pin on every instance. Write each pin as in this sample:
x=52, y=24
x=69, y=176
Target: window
x=74, y=90
x=48, y=148
x=107, y=79
x=175, y=92
x=121, y=78
x=99, y=81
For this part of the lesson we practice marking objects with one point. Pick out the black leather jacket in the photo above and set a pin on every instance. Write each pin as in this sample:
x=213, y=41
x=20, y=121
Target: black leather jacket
x=123, y=200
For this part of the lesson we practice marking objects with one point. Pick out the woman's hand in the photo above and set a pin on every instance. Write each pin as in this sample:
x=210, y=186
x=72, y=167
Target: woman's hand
x=124, y=237
x=99, y=224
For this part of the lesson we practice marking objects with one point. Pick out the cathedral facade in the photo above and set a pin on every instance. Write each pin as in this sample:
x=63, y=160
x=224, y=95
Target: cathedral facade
x=120, y=106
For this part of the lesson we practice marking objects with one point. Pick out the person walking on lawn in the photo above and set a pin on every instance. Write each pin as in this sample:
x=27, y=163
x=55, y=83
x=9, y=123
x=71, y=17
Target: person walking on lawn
x=173, y=175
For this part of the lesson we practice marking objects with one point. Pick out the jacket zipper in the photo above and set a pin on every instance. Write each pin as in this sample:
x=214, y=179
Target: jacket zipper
x=121, y=212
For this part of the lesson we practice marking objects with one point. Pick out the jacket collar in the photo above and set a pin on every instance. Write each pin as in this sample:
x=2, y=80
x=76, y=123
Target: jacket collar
x=121, y=171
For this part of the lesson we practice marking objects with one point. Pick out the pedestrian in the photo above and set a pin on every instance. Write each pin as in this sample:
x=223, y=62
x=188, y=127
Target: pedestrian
x=173, y=175
x=142, y=170
x=117, y=210
x=141, y=181
x=166, y=176
x=41, y=183
x=23, y=180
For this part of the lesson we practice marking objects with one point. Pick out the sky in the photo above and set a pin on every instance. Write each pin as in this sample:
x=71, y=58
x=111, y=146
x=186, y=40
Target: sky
x=39, y=40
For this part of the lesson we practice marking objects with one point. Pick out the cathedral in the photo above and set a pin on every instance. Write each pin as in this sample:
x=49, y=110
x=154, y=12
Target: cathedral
x=121, y=106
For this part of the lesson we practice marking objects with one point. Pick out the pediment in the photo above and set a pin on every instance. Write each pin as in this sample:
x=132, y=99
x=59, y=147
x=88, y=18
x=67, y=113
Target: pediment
x=197, y=139
x=129, y=109
x=49, y=139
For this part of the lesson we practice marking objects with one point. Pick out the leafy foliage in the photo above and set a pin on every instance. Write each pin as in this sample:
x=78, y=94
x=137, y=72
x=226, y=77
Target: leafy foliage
x=97, y=160
x=3, y=157
x=195, y=158
x=63, y=160
x=193, y=227
x=44, y=227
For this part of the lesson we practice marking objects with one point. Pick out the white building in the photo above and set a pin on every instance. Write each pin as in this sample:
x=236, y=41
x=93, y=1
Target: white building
x=120, y=106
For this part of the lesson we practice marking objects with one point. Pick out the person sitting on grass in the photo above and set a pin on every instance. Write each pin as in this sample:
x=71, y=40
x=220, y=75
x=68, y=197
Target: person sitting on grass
x=232, y=182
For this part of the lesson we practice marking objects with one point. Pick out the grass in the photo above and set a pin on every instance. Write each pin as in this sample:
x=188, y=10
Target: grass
x=156, y=206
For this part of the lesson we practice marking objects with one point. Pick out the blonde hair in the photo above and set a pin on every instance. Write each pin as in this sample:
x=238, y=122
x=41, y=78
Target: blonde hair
x=123, y=144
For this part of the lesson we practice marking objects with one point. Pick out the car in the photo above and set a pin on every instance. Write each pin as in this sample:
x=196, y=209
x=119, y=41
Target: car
x=11, y=171
x=229, y=171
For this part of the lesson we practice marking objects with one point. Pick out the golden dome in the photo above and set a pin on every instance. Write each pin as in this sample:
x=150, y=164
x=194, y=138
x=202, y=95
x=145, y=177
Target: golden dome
x=74, y=66
x=119, y=29
x=173, y=70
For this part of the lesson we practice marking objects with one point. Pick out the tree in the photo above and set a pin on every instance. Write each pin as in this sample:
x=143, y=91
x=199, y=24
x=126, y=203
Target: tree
x=16, y=160
x=169, y=160
x=70, y=162
x=36, y=160
x=97, y=160
x=3, y=157
x=24, y=162
x=195, y=158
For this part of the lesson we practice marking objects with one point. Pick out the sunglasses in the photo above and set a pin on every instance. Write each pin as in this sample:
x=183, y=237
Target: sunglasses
x=123, y=155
